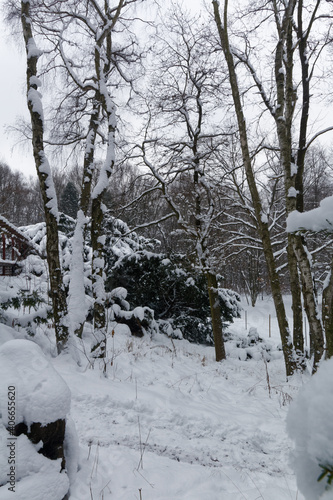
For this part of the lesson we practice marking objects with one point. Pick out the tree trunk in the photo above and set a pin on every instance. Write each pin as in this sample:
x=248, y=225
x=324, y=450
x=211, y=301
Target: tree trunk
x=283, y=115
x=85, y=199
x=215, y=311
x=310, y=302
x=297, y=309
x=98, y=264
x=57, y=290
x=327, y=312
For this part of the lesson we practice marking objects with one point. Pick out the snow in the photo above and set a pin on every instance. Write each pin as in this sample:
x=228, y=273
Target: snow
x=264, y=218
x=310, y=425
x=37, y=477
x=42, y=395
x=318, y=219
x=34, y=80
x=31, y=391
x=33, y=51
x=166, y=421
x=76, y=296
x=292, y=192
x=293, y=169
x=207, y=430
x=35, y=98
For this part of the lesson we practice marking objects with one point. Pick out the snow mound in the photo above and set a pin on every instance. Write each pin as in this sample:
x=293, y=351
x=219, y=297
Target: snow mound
x=41, y=393
x=7, y=333
x=310, y=425
x=36, y=477
x=32, y=391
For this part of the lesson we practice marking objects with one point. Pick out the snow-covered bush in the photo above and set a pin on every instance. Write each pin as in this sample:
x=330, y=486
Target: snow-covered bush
x=34, y=408
x=310, y=425
x=251, y=346
x=174, y=291
x=167, y=290
x=30, y=314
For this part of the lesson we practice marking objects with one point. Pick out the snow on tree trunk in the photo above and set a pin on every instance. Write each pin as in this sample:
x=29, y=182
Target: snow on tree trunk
x=88, y=163
x=97, y=237
x=297, y=309
x=35, y=106
x=310, y=301
x=317, y=220
x=76, y=295
x=327, y=311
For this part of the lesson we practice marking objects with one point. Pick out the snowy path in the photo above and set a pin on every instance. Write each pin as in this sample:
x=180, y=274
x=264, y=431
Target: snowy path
x=204, y=431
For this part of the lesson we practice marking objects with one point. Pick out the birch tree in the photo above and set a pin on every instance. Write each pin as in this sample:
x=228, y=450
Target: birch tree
x=35, y=106
x=294, y=23
x=90, y=52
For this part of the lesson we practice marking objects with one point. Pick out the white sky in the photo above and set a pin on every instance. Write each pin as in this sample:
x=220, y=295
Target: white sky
x=18, y=155
x=13, y=104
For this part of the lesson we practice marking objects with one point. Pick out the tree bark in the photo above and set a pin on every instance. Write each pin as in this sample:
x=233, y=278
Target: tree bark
x=310, y=302
x=215, y=311
x=327, y=312
x=296, y=295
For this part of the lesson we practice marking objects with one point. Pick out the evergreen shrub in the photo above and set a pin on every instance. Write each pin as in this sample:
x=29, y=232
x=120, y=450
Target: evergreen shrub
x=175, y=291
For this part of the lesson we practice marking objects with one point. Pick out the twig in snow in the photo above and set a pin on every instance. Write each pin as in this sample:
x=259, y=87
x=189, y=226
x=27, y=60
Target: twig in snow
x=267, y=374
x=142, y=446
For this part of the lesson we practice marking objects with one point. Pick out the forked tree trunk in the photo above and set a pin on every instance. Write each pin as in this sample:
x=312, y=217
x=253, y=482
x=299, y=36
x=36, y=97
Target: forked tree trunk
x=57, y=290
x=81, y=221
x=283, y=115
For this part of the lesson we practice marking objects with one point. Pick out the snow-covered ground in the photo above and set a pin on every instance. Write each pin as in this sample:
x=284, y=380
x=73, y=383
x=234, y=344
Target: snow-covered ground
x=169, y=423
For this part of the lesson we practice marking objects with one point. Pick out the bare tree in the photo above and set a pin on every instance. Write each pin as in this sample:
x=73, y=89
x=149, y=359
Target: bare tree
x=88, y=49
x=46, y=183
x=294, y=24
x=262, y=222
x=181, y=141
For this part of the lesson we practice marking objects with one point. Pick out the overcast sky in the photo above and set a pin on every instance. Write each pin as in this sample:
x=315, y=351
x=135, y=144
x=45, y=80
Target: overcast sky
x=13, y=104
x=13, y=101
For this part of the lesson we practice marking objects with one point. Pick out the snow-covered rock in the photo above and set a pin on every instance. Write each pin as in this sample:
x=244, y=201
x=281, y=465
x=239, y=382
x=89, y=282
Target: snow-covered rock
x=42, y=395
x=35, y=427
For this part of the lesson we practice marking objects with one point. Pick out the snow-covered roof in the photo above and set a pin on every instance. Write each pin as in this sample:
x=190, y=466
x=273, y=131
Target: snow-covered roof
x=8, y=227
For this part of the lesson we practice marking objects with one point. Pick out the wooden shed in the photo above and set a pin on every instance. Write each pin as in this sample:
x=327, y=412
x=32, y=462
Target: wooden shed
x=14, y=246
